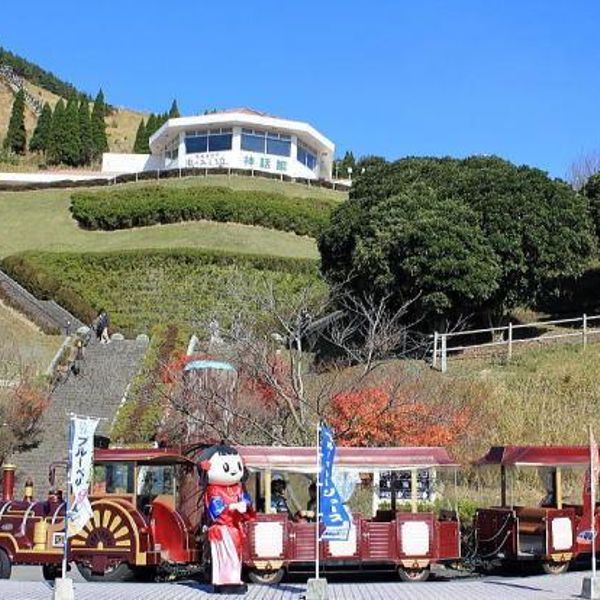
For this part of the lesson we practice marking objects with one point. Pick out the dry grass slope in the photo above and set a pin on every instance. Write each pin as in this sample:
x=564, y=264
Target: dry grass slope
x=22, y=342
x=122, y=124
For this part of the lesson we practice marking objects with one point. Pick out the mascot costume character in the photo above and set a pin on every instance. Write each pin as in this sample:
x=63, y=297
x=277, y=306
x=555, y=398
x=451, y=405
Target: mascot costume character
x=227, y=506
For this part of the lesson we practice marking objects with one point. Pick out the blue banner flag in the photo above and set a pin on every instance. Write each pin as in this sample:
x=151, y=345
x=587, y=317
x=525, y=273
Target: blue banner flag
x=333, y=513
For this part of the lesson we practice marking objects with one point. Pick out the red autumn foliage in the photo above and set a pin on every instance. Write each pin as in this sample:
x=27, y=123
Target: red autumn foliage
x=377, y=417
x=21, y=410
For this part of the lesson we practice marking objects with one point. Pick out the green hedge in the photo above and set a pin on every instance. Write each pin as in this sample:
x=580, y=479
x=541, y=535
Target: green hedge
x=123, y=208
x=142, y=288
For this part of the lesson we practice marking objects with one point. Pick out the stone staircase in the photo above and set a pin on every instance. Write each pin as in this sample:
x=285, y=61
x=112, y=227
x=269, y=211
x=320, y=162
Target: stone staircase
x=16, y=83
x=46, y=314
x=96, y=391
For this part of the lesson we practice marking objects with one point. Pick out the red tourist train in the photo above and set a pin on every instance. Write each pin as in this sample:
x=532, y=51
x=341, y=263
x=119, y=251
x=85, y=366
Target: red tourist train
x=148, y=519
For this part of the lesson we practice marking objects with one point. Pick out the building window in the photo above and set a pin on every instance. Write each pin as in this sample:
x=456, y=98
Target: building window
x=196, y=144
x=307, y=156
x=278, y=146
x=219, y=142
x=214, y=140
x=253, y=143
x=266, y=142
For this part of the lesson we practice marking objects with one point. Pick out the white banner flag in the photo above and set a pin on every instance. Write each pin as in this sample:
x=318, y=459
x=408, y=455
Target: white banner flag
x=81, y=459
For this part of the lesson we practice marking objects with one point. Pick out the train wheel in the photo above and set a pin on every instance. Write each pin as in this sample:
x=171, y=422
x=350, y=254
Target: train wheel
x=412, y=575
x=117, y=573
x=5, y=565
x=554, y=568
x=266, y=577
x=51, y=572
x=106, y=529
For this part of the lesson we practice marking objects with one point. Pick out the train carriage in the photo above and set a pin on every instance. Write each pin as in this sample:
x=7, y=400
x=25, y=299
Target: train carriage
x=406, y=541
x=553, y=533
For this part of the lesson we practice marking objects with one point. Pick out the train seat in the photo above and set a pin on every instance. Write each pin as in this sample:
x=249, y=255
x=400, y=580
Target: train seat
x=531, y=520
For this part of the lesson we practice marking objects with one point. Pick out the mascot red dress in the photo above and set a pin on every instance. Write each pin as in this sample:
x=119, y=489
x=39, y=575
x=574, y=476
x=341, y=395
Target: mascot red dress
x=227, y=506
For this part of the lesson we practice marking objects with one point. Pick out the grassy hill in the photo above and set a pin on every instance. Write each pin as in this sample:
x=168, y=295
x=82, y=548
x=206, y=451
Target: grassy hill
x=122, y=123
x=178, y=272
x=41, y=220
x=22, y=342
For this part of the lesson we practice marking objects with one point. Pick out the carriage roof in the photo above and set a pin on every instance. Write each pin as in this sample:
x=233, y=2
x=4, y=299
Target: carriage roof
x=297, y=458
x=536, y=456
x=304, y=458
x=154, y=455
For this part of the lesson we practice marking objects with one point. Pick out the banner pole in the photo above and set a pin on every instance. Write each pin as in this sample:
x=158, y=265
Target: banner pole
x=318, y=515
x=67, y=485
x=593, y=476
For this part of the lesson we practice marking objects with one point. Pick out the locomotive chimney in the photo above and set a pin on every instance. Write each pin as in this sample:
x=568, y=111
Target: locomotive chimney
x=8, y=482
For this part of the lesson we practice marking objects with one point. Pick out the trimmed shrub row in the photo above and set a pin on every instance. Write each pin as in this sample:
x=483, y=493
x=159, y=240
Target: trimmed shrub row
x=142, y=288
x=123, y=208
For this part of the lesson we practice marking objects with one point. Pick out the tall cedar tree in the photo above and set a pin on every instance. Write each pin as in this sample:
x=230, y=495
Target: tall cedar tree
x=56, y=141
x=174, y=112
x=41, y=135
x=98, y=127
x=71, y=151
x=85, y=133
x=16, y=136
x=152, y=125
x=140, y=145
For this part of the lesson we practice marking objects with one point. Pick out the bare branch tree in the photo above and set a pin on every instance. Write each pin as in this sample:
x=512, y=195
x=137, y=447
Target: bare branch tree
x=278, y=396
x=368, y=330
x=582, y=168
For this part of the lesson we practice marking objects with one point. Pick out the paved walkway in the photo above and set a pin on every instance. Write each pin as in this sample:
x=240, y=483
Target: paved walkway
x=547, y=587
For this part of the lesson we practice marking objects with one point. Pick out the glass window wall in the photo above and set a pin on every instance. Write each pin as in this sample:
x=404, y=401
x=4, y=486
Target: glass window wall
x=213, y=140
x=266, y=142
x=253, y=143
x=307, y=156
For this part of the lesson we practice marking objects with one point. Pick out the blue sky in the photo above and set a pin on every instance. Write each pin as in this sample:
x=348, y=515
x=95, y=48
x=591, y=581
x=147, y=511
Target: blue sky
x=517, y=78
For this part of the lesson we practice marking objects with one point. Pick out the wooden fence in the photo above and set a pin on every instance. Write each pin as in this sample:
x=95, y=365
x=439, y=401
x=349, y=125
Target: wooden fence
x=447, y=344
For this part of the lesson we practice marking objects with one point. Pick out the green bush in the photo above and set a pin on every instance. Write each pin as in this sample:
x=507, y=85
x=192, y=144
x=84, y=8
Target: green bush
x=126, y=207
x=142, y=288
x=139, y=417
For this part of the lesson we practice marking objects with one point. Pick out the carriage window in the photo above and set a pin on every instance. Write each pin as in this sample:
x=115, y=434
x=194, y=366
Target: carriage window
x=113, y=478
x=155, y=480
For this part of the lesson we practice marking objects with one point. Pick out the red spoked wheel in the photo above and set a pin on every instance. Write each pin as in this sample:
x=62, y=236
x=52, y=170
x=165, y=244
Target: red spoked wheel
x=108, y=529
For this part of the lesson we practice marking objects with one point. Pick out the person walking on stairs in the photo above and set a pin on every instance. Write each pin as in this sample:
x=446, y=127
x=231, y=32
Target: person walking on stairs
x=100, y=326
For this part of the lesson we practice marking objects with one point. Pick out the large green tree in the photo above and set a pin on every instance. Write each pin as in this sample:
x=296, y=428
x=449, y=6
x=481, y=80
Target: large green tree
x=174, y=110
x=85, y=133
x=536, y=229
x=341, y=166
x=71, y=148
x=41, y=134
x=591, y=190
x=140, y=146
x=56, y=142
x=402, y=249
x=98, y=127
x=16, y=135
x=152, y=124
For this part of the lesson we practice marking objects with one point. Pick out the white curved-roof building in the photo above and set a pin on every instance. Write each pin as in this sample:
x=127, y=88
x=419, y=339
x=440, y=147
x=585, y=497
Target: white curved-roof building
x=234, y=139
